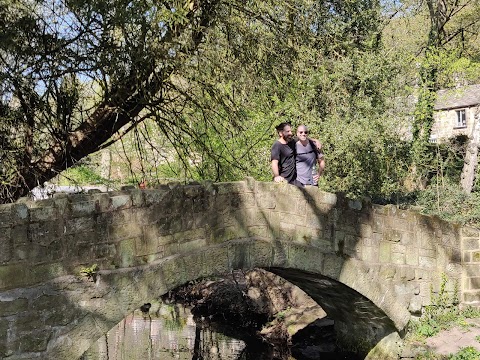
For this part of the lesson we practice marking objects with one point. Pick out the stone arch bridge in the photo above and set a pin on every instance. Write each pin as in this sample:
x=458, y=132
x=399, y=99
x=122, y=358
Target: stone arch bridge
x=370, y=267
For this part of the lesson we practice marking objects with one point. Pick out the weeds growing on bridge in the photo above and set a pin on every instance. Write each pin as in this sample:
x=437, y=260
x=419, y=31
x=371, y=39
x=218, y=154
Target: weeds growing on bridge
x=90, y=272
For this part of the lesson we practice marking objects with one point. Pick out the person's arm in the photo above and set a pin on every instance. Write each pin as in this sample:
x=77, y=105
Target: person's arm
x=321, y=165
x=318, y=144
x=276, y=171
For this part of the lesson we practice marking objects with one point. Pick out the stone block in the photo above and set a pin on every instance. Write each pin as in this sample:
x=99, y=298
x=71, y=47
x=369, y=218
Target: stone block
x=193, y=191
x=154, y=197
x=77, y=250
x=427, y=262
x=33, y=341
x=301, y=206
x=260, y=254
x=195, y=266
x=5, y=215
x=45, y=232
x=3, y=337
x=13, y=307
x=370, y=254
x=332, y=266
x=230, y=187
x=407, y=274
x=259, y=232
x=257, y=217
x=398, y=258
x=302, y=257
x=224, y=234
x=43, y=213
x=20, y=214
x=119, y=232
x=126, y=253
x=192, y=245
x=315, y=221
x=292, y=219
x=121, y=202
x=365, y=230
x=286, y=231
x=427, y=241
x=380, y=210
x=266, y=201
x=385, y=252
x=200, y=205
x=221, y=203
x=475, y=256
x=471, y=296
x=6, y=245
x=247, y=200
x=83, y=208
x=432, y=253
x=387, y=272
x=471, y=244
x=19, y=235
x=104, y=251
x=411, y=256
x=217, y=260
x=475, y=283
x=398, y=248
x=79, y=225
x=467, y=256
x=469, y=232
x=186, y=236
x=392, y=235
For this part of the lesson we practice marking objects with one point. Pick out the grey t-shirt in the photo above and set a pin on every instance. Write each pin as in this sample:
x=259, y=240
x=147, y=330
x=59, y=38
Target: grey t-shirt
x=306, y=157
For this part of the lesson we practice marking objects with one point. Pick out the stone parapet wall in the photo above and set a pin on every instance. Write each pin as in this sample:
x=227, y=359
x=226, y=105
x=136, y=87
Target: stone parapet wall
x=471, y=265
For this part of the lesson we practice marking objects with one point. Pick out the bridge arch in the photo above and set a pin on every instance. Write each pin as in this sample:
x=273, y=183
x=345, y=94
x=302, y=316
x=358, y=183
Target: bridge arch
x=116, y=293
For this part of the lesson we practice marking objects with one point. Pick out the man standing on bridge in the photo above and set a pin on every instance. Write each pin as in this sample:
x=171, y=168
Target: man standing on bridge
x=308, y=157
x=283, y=156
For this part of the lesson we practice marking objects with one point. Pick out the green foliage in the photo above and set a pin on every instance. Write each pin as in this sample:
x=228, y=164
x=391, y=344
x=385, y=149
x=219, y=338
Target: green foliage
x=90, y=272
x=449, y=202
x=81, y=175
x=467, y=353
x=441, y=314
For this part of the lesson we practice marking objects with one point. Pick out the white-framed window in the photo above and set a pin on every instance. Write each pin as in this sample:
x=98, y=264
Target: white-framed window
x=461, y=118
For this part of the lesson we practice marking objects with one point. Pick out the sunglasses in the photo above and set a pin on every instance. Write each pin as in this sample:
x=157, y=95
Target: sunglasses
x=303, y=132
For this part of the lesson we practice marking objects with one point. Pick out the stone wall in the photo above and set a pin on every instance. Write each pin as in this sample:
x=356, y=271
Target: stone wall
x=445, y=125
x=147, y=242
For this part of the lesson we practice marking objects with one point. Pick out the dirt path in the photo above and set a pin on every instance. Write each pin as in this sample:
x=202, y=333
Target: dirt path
x=452, y=340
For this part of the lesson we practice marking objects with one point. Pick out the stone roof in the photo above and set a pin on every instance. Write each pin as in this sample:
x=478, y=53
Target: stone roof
x=464, y=96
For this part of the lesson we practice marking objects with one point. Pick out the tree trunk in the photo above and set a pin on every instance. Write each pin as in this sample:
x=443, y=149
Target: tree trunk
x=106, y=163
x=471, y=156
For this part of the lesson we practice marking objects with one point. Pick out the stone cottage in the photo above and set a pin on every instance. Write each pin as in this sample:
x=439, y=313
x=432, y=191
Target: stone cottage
x=455, y=111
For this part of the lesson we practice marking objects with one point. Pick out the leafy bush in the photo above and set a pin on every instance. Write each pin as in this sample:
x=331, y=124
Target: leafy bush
x=467, y=353
x=449, y=202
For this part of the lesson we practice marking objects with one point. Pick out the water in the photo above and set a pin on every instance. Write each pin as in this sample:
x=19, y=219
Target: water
x=169, y=332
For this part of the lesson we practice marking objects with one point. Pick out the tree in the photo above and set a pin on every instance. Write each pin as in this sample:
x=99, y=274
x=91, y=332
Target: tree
x=54, y=52
x=78, y=75
x=452, y=26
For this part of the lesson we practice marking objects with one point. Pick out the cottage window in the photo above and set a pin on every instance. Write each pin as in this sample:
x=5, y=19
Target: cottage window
x=461, y=118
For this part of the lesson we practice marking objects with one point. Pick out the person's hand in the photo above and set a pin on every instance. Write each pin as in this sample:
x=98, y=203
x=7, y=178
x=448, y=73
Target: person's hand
x=278, y=179
x=315, y=178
